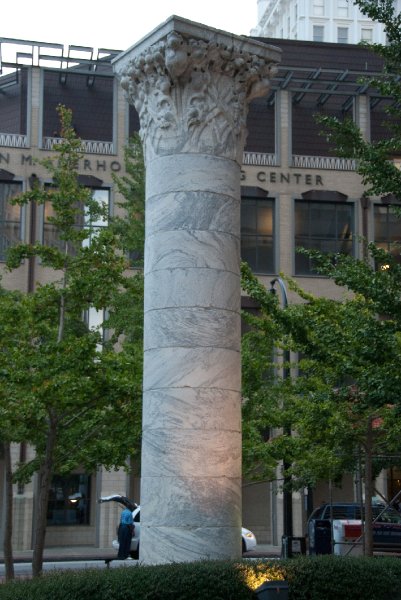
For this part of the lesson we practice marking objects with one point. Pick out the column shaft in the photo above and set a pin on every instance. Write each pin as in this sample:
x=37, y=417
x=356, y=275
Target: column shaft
x=191, y=86
x=191, y=459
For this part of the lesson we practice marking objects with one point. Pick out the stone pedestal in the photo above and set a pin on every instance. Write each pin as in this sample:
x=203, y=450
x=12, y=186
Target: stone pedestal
x=191, y=85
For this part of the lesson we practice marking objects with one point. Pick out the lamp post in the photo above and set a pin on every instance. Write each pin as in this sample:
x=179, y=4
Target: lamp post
x=287, y=494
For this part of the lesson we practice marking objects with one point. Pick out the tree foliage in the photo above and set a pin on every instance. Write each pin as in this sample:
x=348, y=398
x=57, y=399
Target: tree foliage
x=375, y=159
x=72, y=397
x=342, y=396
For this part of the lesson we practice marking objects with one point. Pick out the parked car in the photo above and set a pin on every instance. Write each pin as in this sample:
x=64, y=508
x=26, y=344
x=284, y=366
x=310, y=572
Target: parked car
x=386, y=527
x=248, y=538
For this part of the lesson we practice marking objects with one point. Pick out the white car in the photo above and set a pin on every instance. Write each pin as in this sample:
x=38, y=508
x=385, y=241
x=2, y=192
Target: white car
x=248, y=538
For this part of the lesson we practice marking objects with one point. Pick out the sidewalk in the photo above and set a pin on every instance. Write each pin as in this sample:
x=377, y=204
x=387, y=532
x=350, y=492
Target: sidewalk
x=65, y=553
x=84, y=553
x=264, y=551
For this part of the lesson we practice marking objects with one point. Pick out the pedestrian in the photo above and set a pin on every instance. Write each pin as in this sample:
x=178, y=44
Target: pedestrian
x=125, y=533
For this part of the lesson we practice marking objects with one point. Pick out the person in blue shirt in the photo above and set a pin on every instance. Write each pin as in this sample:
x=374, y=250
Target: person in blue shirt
x=125, y=533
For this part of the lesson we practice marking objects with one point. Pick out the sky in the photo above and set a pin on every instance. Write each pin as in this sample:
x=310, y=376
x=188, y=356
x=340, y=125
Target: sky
x=116, y=24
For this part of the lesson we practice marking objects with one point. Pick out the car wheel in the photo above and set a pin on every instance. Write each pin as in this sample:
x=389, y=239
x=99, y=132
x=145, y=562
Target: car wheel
x=243, y=547
x=135, y=553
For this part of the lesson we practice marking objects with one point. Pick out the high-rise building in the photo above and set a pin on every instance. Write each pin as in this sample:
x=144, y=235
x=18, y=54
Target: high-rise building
x=338, y=21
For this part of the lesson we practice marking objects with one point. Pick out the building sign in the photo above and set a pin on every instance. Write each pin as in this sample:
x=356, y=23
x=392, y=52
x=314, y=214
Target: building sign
x=97, y=165
x=102, y=165
x=268, y=176
x=91, y=165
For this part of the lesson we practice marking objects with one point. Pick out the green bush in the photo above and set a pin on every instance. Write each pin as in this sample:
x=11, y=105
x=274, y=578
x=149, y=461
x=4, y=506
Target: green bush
x=351, y=578
x=309, y=578
x=184, y=581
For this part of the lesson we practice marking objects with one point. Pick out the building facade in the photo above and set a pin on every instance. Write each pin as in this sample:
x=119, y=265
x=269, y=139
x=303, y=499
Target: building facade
x=295, y=192
x=36, y=78
x=337, y=21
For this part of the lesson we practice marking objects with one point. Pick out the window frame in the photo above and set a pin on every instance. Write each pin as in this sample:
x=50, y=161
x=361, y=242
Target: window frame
x=369, y=39
x=44, y=223
x=318, y=8
x=315, y=202
x=342, y=9
x=255, y=196
x=73, y=509
x=15, y=224
x=318, y=38
x=386, y=242
x=341, y=40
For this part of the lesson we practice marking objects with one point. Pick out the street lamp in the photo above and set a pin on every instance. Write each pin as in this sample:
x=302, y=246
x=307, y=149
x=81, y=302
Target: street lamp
x=282, y=288
x=287, y=494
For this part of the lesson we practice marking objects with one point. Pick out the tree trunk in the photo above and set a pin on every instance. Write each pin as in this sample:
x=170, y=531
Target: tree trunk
x=45, y=475
x=8, y=525
x=368, y=490
x=46, y=467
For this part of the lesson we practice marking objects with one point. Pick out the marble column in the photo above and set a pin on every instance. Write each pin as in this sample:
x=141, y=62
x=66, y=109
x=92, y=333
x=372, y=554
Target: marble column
x=191, y=86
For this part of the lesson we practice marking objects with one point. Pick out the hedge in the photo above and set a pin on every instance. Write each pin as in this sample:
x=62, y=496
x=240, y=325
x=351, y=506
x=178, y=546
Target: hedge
x=309, y=578
x=351, y=578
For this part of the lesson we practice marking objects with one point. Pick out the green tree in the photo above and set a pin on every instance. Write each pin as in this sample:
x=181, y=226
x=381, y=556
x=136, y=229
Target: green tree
x=131, y=226
x=374, y=160
x=14, y=332
x=125, y=311
x=83, y=400
x=345, y=400
x=344, y=403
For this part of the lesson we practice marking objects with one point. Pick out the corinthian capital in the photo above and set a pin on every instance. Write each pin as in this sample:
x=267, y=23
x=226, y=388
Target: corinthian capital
x=191, y=86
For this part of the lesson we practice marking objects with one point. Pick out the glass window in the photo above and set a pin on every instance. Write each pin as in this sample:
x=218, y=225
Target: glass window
x=257, y=234
x=101, y=196
x=342, y=8
x=318, y=8
x=318, y=33
x=94, y=320
x=69, y=500
x=342, y=35
x=324, y=226
x=366, y=35
x=91, y=105
x=387, y=230
x=10, y=216
x=50, y=232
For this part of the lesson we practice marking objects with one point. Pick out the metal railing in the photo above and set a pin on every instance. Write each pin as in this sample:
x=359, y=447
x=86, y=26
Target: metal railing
x=88, y=146
x=259, y=159
x=13, y=140
x=332, y=163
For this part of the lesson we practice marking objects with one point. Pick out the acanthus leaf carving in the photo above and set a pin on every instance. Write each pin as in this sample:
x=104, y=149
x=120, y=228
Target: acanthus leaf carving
x=192, y=95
